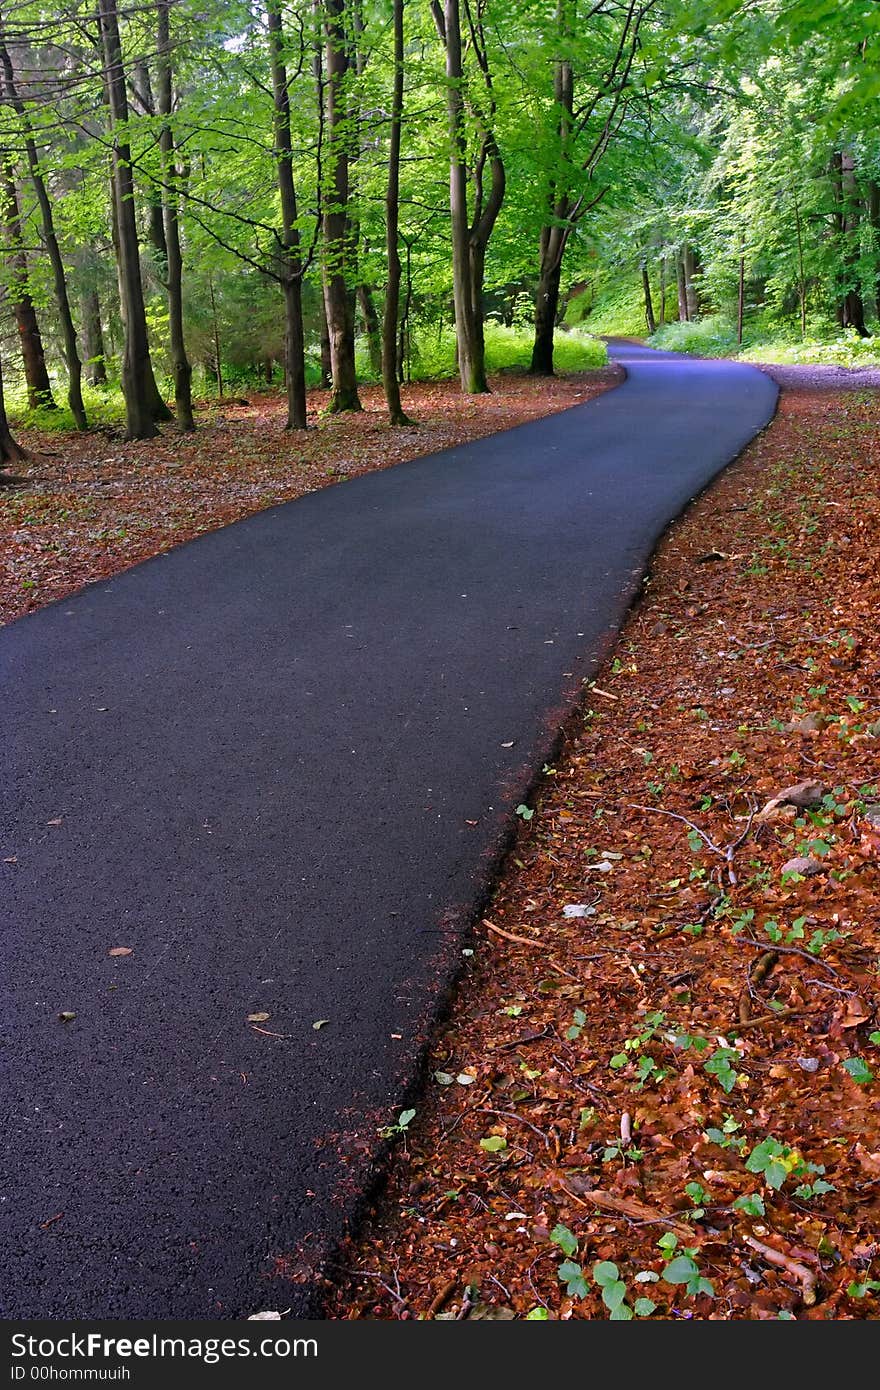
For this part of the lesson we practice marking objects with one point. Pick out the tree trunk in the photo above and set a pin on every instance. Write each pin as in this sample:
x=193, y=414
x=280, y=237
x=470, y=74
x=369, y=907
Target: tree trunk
x=682, y=289
x=853, y=304
x=689, y=266
x=649, y=303
x=138, y=383
x=471, y=367
x=36, y=375
x=546, y=309
x=290, y=262
x=662, y=290
x=326, y=363
x=741, y=296
x=802, y=279
x=874, y=219
x=171, y=228
x=372, y=327
x=68, y=331
x=338, y=297
x=93, y=338
x=10, y=450
x=392, y=219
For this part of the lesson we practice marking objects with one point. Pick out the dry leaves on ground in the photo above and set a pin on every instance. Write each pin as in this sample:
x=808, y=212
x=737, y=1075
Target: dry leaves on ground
x=672, y=1044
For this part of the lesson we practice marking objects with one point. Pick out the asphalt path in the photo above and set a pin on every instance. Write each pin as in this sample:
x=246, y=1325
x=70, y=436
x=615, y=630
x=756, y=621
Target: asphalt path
x=253, y=762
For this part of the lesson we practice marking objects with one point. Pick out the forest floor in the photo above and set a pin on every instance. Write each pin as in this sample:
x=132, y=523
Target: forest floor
x=658, y=1092
x=655, y=1094
x=95, y=504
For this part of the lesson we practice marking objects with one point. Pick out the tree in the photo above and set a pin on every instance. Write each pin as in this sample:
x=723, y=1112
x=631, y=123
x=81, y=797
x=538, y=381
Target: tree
x=392, y=221
x=290, y=259
x=171, y=223
x=143, y=404
x=338, y=248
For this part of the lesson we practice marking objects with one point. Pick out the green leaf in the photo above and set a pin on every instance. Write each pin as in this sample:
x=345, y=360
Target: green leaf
x=644, y=1307
x=604, y=1272
x=752, y=1204
x=622, y=1313
x=494, y=1144
x=681, y=1270
x=572, y=1276
x=405, y=1117
x=614, y=1294
x=565, y=1239
x=537, y=1315
x=859, y=1070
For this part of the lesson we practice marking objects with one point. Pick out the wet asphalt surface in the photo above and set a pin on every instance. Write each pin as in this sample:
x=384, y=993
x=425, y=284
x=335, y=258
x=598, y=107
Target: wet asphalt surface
x=252, y=762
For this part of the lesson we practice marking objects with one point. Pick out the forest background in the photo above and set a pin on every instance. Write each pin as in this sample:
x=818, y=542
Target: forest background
x=202, y=198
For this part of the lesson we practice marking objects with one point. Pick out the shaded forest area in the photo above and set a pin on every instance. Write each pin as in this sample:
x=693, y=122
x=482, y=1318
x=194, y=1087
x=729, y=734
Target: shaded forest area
x=208, y=197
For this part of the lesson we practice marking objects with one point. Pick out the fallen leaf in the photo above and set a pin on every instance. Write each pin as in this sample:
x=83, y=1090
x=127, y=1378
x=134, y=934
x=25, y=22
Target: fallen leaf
x=120, y=951
x=320, y=1023
x=258, y=1018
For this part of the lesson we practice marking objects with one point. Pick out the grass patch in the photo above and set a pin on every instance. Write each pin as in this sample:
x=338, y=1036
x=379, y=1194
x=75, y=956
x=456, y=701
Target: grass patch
x=508, y=349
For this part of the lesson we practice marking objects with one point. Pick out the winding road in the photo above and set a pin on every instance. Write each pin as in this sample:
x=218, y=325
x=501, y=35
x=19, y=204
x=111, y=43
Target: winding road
x=255, y=764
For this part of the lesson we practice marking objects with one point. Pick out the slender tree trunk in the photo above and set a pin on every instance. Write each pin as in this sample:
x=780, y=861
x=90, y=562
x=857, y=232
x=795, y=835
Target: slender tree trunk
x=741, y=295
x=326, y=363
x=372, y=327
x=689, y=266
x=290, y=261
x=215, y=333
x=10, y=450
x=874, y=219
x=138, y=382
x=68, y=331
x=853, y=304
x=171, y=227
x=471, y=367
x=662, y=290
x=93, y=339
x=338, y=296
x=546, y=306
x=682, y=289
x=39, y=387
x=802, y=279
x=649, y=303
x=392, y=220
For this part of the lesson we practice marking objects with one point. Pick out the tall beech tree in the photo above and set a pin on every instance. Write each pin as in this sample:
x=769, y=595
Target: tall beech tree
x=36, y=374
x=338, y=247
x=584, y=127
x=391, y=320
x=171, y=222
x=290, y=267
x=143, y=403
x=13, y=101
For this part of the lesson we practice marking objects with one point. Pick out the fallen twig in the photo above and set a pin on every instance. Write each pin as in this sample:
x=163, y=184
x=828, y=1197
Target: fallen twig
x=509, y=935
x=440, y=1298
x=805, y=1276
x=628, y=1206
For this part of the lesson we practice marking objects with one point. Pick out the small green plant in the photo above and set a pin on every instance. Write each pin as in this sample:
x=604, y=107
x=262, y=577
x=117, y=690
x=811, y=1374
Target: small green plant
x=859, y=1070
x=682, y=1268
x=606, y=1276
x=404, y=1120
x=727, y=1137
x=524, y=812
x=752, y=1204
x=575, y=1029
